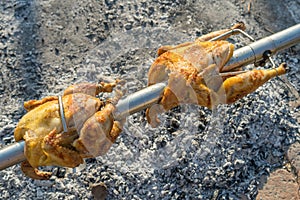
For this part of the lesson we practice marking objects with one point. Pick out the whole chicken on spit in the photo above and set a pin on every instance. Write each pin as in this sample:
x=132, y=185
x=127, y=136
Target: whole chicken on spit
x=194, y=74
x=91, y=128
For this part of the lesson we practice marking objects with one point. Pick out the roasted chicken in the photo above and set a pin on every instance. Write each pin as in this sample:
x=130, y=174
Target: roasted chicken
x=194, y=75
x=90, y=122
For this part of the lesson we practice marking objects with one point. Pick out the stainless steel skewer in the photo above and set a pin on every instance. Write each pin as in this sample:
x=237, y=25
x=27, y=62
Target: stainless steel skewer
x=263, y=48
x=252, y=53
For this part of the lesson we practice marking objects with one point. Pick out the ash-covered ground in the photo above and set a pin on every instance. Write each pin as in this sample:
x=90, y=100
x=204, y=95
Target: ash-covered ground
x=195, y=153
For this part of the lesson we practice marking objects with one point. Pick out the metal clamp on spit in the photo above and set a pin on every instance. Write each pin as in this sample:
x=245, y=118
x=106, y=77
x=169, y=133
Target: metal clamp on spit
x=206, y=72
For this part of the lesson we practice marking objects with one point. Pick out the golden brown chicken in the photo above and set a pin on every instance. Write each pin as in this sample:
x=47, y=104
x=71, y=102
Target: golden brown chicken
x=91, y=128
x=194, y=75
x=193, y=72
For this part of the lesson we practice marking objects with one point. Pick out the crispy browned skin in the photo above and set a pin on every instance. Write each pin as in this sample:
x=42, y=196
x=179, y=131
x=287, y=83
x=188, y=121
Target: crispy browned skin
x=193, y=72
x=240, y=85
x=203, y=38
x=33, y=172
x=98, y=139
x=91, y=129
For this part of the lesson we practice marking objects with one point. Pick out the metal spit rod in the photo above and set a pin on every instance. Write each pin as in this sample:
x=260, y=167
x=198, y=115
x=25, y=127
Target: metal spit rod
x=252, y=53
x=256, y=51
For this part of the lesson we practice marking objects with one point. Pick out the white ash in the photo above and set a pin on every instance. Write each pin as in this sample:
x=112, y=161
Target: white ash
x=195, y=153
